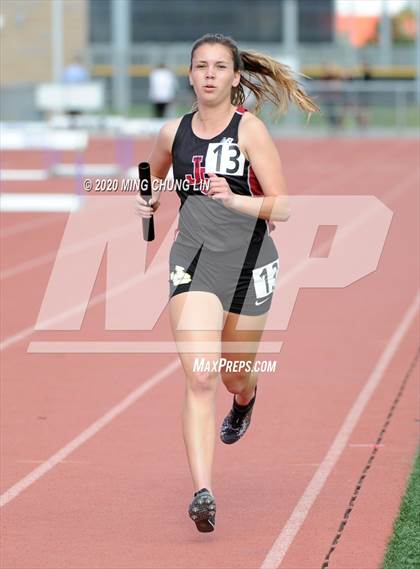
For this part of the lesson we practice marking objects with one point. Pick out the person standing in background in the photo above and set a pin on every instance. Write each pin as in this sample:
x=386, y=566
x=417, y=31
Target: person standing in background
x=333, y=97
x=362, y=114
x=357, y=99
x=75, y=73
x=162, y=89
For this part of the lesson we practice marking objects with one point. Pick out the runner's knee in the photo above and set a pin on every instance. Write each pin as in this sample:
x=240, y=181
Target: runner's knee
x=202, y=381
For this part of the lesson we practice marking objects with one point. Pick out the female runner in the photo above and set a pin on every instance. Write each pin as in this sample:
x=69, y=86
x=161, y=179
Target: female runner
x=223, y=263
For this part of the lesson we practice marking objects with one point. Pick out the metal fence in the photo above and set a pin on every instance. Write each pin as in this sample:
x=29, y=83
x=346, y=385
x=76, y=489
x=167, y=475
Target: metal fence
x=345, y=105
x=364, y=104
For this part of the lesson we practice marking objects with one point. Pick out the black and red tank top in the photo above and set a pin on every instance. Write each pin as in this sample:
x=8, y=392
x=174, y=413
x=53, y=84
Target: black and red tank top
x=201, y=219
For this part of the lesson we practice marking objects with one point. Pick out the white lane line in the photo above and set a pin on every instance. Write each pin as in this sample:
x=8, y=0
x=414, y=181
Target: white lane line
x=102, y=237
x=87, y=434
x=23, y=175
x=61, y=461
x=299, y=514
x=24, y=226
x=69, y=170
x=39, y=202
x=36, y=262
x=81, y=307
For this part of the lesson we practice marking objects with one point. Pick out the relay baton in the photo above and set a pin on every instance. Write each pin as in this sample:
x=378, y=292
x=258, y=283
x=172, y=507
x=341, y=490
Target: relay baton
x=146, y=194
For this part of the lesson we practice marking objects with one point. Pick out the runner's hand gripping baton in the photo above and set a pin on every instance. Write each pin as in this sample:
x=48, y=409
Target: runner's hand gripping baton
x=146, y=194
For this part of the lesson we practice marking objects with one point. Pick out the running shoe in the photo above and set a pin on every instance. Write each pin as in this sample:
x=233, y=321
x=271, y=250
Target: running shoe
x=202, y=510
x=237, y=421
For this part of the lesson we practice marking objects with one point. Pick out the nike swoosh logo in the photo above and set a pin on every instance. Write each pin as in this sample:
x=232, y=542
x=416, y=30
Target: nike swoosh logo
x=262, y=301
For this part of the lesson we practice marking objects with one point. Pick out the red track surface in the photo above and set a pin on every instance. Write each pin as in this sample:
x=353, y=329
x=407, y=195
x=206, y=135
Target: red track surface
x=119, y=500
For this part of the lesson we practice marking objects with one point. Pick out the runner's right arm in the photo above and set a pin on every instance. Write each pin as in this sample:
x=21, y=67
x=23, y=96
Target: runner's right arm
x=160, y=161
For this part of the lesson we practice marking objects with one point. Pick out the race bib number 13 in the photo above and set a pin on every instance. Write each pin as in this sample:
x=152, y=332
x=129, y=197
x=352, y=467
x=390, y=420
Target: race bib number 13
x=225, y=158
x=265, y=279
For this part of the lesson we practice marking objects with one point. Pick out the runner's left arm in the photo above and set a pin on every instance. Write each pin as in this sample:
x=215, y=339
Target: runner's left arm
x=265, y=160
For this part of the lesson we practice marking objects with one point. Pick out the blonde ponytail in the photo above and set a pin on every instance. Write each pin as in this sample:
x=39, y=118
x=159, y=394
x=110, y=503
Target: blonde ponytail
x=272, y=81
